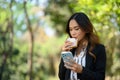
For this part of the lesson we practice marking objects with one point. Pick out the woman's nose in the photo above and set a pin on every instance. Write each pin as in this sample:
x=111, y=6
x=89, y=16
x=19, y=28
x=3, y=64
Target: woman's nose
x=73, y=32
x=73, y=35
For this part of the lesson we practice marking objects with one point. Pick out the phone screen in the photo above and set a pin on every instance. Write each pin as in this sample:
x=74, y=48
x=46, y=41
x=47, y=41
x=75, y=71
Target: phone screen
x=66, y=56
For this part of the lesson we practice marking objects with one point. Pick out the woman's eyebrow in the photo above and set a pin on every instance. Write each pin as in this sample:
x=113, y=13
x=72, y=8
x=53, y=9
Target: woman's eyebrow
x=75, y=27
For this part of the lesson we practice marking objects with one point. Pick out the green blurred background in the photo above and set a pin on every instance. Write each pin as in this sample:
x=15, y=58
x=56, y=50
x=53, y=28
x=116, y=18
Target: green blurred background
x=33, y=31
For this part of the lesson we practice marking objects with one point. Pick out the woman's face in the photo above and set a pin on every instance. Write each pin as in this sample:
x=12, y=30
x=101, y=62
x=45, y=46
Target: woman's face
x=75, y=30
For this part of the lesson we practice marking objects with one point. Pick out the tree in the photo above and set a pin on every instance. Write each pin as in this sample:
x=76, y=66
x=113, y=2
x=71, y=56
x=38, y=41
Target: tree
x=30, y=60
x=59, y=11
x=6, y=41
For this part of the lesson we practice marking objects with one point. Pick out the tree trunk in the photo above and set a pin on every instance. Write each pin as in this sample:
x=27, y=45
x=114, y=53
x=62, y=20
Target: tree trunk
x=30, y=60
x=6, y=53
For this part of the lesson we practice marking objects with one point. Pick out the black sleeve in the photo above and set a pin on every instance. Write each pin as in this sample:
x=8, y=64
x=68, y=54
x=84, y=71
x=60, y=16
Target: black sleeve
x=100, y=65
x=62, y=70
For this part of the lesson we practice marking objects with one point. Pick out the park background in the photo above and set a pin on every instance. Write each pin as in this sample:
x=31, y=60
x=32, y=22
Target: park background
x=33, y=31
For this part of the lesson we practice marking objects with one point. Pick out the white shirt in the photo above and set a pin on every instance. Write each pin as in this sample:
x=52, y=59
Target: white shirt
x=80, y=59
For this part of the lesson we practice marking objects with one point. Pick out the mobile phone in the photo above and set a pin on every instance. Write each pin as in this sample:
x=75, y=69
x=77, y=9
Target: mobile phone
x=67, y=56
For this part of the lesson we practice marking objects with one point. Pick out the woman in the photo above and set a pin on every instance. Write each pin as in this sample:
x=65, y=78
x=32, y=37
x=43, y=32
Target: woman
x=89, y=56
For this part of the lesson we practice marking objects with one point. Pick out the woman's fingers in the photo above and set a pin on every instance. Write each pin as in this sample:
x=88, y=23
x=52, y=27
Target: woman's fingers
x=67, y=46
x=68, y=65
x=73, y=66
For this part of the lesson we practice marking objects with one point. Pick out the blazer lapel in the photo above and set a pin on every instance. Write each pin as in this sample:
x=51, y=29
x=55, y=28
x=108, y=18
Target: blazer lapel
x=88, y=60
x=88, y=57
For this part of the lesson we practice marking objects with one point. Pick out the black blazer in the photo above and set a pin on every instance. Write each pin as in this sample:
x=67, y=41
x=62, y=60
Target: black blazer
x=94, y=69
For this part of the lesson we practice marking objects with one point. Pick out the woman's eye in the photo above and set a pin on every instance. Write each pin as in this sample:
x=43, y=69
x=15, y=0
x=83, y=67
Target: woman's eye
x=70, y=29
x=77, y=29
x=74, y=29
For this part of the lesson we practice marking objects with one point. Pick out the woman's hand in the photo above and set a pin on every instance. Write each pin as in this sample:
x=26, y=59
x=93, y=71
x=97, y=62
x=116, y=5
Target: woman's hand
x=67, y=46
x=72, y=65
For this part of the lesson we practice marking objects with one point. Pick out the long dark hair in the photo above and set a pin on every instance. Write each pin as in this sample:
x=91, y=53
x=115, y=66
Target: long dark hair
x=86, y=25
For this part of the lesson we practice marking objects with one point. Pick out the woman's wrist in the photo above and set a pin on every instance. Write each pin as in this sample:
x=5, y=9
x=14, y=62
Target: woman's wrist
x=80, y=69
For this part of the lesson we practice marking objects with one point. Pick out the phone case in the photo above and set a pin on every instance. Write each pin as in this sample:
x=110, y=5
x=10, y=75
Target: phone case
x=66, y=56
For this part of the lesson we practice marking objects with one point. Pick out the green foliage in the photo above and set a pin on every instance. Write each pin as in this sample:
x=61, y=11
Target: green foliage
x=51, y=47
x=105, y=15
x=59, y=12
